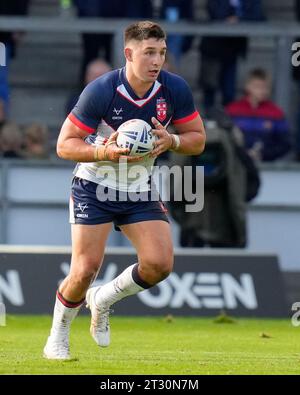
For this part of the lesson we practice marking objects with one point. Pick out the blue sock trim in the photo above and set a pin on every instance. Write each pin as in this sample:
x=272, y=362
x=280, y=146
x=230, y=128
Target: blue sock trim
x=137, y=278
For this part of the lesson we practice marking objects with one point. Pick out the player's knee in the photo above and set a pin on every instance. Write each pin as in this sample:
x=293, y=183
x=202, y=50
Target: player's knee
x=85, y=274
x=157, y=269
x=165, y=269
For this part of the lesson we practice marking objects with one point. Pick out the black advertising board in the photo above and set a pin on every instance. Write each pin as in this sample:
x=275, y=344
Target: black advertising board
x=201, y=284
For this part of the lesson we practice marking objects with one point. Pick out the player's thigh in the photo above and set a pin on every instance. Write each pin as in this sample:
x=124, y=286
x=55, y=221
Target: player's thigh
x=152, y=241
x=88, y=244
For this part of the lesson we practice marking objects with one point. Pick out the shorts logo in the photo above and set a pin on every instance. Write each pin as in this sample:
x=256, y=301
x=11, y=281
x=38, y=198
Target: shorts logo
x=82, y=207
x=161, y=109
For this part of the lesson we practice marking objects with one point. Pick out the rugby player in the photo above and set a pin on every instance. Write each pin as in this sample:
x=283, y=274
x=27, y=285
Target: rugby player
x=141, y=90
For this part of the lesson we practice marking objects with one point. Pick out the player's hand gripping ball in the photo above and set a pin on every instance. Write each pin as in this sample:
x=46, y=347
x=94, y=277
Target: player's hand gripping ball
x=136, y=135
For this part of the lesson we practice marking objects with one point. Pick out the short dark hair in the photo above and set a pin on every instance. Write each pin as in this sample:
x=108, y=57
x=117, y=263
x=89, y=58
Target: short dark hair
x=258, y=74
x=144, y=30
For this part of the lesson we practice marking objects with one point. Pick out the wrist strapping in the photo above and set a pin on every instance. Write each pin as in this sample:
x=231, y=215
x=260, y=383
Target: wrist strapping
x=176, y=142
x=96, y=157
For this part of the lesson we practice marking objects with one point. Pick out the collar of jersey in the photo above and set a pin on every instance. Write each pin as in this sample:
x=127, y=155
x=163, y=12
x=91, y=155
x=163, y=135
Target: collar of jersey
x=130, y=91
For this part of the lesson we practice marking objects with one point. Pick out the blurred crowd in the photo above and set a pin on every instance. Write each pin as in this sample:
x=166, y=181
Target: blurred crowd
x=27, y=142
x=265, y=131
x=244, y=128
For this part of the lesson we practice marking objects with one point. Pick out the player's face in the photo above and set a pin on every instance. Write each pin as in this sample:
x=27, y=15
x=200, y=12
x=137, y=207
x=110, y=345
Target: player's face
x=148, y=57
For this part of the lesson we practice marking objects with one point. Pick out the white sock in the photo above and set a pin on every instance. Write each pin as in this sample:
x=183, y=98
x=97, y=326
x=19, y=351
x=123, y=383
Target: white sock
x=62, y=318
x=117, y=289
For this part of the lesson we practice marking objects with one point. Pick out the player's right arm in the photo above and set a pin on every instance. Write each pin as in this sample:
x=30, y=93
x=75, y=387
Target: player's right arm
x=71, y=146
x=84, y=120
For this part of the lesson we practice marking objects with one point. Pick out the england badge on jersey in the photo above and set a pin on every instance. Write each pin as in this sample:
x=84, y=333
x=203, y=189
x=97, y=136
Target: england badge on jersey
x=161, y=109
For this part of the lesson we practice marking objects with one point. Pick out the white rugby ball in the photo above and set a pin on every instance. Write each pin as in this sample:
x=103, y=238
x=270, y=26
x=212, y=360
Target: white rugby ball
x=136, y=135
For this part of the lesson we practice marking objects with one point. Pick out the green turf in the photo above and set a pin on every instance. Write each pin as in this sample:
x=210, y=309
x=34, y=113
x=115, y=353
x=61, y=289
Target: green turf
x=156, y=346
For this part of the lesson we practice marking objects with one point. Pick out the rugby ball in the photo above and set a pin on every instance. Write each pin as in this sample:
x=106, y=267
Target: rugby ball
x=136, y=135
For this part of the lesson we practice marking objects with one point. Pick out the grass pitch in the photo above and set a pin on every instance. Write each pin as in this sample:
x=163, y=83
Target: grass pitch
x=156, y=346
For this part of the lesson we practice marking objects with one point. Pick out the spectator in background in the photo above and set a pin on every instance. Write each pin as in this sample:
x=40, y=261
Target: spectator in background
x=137, y=9
x=175, y=11
x=36, y=142
x=95, y=42
x=94, y=69
x=9, y=39
x=219, y=55
x=263, y=123
x=11, y=141
x=230, y=180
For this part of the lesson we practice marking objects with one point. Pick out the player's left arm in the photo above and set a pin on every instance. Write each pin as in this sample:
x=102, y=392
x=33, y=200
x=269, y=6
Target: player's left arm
x=190, y=137
x=189, y=140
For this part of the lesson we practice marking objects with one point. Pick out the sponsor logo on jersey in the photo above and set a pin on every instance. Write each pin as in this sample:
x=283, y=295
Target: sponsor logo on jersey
x=117, y=112
x=161, y=109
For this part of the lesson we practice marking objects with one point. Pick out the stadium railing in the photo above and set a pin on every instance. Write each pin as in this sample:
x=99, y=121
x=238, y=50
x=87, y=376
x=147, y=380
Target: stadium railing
x=34, y=198
x=283, y=33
